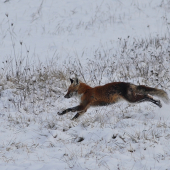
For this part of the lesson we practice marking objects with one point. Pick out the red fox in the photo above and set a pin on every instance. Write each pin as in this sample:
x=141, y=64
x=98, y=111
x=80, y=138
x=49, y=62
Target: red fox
x=110, y=93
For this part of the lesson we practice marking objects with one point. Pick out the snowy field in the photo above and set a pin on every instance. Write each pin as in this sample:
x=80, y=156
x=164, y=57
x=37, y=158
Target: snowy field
x=45, y=42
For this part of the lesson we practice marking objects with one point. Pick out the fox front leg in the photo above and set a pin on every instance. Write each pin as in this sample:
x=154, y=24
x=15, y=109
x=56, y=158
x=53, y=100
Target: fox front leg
x=81, y=112
x=78, y=114
x=72, y=109
x=65, y=111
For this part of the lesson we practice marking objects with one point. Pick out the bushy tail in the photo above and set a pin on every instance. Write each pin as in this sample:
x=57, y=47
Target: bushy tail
x=154, y=91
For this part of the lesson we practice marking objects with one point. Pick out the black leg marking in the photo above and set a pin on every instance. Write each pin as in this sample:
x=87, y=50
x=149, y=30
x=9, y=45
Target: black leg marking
x=157, y=102
x=80, y=109
x=150, y=99
x=79, y=114
x=73, y=109
x=65, y=111
x=76, y=116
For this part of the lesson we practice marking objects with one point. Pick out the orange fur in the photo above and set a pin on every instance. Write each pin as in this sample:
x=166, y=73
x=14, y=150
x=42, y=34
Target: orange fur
x=108, y=94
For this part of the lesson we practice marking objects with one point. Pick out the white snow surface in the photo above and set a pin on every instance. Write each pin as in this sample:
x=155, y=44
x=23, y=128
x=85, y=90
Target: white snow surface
x=57, y=28
x=116, y=137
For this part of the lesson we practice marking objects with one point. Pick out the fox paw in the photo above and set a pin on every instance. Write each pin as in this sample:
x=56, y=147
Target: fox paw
x=60, y=113
x=159, y=103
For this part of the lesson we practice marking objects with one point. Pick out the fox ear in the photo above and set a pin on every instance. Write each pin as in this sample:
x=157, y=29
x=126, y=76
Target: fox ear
x=71, y=81
x=76, y=81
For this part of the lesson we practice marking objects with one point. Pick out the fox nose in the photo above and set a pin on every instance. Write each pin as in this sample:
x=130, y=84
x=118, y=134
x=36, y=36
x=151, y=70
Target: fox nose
x=67, y=96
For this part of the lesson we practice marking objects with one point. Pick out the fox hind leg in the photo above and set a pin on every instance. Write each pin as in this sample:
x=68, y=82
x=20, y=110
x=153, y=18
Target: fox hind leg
x=150, y=99
x=137, y=98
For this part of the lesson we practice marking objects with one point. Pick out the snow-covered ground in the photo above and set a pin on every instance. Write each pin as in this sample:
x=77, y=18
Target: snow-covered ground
x=42, y=44
x=60, y=29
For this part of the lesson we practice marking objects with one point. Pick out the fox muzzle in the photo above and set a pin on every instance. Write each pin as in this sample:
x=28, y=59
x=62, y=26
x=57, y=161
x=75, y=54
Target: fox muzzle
x=67, y=96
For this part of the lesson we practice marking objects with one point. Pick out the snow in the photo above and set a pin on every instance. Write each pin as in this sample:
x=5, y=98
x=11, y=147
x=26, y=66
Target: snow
x=82, y=37
x=50, y=29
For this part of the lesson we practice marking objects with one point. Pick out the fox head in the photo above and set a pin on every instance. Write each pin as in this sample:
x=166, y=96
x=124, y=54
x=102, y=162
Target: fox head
x=73, y=88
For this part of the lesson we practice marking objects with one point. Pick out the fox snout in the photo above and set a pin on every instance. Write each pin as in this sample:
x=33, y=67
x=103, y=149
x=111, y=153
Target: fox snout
x=67, y=95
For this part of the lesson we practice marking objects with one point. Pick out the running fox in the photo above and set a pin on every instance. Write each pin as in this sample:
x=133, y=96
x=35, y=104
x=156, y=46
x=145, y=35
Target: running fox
x=110, y=93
